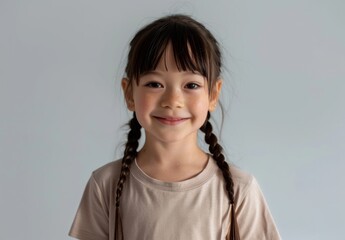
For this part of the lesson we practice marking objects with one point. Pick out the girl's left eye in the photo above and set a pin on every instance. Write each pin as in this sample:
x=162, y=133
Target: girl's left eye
x=192, y=86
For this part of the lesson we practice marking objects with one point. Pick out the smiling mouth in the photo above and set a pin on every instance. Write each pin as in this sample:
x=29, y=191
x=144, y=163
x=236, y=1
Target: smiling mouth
x=171, y=120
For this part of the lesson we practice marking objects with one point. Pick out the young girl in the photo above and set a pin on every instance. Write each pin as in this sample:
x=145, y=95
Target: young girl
x=171, y=188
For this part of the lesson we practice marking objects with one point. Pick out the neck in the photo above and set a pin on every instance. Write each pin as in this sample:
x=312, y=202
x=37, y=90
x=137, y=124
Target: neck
x=170, y=154
x=172, y=161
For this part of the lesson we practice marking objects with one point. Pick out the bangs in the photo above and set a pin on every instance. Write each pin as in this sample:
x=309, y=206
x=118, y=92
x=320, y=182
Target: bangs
x=149, y=45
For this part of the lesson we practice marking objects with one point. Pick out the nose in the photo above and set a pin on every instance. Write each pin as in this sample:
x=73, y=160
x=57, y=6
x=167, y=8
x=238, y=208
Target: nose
x=172, y=98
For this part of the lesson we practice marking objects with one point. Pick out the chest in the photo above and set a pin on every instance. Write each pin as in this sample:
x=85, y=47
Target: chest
x=197, y=213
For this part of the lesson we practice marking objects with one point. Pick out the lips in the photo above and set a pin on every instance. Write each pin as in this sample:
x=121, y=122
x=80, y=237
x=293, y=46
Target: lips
x=171, y=120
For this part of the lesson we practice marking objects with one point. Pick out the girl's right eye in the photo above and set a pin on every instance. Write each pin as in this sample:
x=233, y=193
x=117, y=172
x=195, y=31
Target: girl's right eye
x=154, y=85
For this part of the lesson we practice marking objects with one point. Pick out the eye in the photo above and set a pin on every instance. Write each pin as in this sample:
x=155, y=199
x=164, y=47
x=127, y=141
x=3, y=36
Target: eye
x=153, y=85
x=192, y=86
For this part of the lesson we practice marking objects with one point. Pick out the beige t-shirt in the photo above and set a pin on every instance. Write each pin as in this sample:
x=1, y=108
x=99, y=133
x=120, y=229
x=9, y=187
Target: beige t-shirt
x=197, y=208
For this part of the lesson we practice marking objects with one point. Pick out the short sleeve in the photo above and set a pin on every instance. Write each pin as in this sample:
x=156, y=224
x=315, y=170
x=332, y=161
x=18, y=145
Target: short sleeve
x=92, y=218
x=254, y=218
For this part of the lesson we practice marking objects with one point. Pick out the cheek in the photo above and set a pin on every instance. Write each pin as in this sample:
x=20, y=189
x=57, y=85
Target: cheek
x=143, y=103
x=200, y=107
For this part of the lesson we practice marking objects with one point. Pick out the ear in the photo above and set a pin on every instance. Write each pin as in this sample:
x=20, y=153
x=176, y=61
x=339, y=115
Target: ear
x=215, y=92
x=128, y=93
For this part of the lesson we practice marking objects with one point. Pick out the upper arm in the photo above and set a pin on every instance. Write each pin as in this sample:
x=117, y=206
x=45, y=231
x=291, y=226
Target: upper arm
x=254, y=218
x=92, y=218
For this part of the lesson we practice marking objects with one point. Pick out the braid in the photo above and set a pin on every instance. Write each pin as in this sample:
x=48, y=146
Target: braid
x=129, y=155
x=216, y=151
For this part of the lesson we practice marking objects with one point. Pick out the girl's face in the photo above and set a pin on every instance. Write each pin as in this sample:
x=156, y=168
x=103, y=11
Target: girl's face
x=171, y=105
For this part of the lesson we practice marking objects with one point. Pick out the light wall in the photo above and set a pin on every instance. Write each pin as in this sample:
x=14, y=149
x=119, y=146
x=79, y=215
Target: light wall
x=62, y=111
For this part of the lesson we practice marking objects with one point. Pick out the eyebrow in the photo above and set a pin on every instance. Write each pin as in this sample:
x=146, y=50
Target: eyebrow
x=152, y=72
x=160, y=73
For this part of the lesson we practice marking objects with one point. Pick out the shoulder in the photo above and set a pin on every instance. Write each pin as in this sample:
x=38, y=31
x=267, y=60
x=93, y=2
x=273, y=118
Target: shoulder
x=244, y=182
x=108, y=173
x=252, y=211
x=95, y=208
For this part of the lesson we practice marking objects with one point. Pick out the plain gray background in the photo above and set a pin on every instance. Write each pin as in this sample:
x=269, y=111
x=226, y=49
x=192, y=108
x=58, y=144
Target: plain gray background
x=62, y=110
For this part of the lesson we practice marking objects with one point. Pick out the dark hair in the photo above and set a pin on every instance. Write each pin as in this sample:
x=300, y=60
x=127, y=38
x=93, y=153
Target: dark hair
x=195, y=49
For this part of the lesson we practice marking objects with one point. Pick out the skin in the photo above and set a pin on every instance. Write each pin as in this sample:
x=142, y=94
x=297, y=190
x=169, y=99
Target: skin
x=171, y=106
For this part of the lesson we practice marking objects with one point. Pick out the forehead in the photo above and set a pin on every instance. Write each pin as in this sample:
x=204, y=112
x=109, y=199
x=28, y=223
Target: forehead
x=167, y=62
x=167, y=65
x=172, y=53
